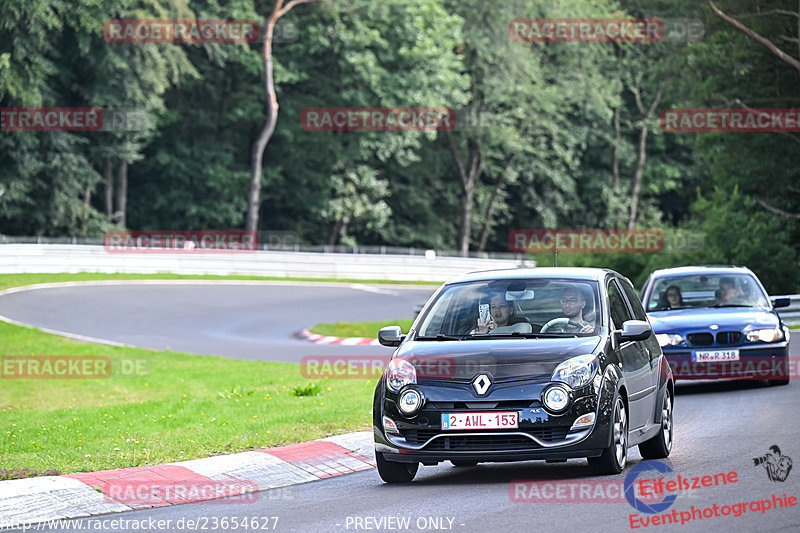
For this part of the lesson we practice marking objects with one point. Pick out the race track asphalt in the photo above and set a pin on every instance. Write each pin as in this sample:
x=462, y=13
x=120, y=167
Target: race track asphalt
x=719, y=427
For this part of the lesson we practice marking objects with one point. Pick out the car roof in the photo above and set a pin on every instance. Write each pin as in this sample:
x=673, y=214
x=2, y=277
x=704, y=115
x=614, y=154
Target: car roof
x=702, y=269
x=577, y=273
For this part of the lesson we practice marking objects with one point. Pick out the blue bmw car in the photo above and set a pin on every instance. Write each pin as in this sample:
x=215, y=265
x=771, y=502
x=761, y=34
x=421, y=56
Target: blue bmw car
x=717, y=322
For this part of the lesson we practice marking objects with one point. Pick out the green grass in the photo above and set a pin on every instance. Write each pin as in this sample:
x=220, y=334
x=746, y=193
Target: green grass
x=797, y=326
x=186, y=406
x=359, y=329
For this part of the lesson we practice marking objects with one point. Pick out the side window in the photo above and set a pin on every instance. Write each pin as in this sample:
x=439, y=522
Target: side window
x=636, y=305
x=619, y=311
x=638, y=312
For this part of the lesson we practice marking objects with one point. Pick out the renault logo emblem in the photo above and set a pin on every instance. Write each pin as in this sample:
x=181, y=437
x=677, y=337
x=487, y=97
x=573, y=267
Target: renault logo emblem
x=481, y=384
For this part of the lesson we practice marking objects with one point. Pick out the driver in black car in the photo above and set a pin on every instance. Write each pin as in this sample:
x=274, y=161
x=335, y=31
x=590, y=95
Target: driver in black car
x=573, y=304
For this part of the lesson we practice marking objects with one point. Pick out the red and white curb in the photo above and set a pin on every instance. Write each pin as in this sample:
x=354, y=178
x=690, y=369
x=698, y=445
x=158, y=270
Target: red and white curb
x=239, y=476
x=344, y=341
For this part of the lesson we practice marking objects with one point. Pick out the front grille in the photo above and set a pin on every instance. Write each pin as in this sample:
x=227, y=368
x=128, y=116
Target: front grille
x=418, y=436
x=485, y=406
x=729, y=337
x=551, y=434
x=700, y=339
x=488, y=442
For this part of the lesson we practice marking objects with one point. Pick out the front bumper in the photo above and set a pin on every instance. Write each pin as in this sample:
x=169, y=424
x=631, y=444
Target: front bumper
x=756, y=361
x=540, y=435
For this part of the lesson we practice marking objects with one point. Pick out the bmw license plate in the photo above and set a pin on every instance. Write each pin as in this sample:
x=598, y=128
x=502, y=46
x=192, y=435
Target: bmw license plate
x=713, y=356
x=485, y=420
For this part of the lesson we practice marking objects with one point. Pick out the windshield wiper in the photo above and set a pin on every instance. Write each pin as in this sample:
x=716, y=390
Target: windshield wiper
x=734, y=305
x=520, y=335
x=441, y=337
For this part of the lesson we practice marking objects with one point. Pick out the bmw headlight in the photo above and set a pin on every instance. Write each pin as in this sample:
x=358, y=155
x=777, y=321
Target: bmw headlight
x=576, y=372
x=400, y=373
x=669, y=339
x=765, y=335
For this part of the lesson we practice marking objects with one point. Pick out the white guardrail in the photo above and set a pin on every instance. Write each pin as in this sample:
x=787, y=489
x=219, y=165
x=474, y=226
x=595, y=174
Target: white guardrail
x=790, y=315
x=53, y=258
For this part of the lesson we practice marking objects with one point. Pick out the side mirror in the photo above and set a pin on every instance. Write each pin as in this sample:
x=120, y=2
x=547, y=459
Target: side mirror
x=390, y=336
x=634, y=330
x=781, y=302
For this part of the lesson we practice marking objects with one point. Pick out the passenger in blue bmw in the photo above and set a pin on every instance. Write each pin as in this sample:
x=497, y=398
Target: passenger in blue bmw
x=592, y=390
x=725, y=327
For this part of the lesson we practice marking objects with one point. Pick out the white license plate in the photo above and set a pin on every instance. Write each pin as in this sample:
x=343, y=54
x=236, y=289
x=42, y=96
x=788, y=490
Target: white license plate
x=487, y=420
x=713, y=356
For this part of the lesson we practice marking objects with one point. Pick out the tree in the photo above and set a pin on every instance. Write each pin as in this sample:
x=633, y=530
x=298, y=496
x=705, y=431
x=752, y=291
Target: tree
x=260, y=144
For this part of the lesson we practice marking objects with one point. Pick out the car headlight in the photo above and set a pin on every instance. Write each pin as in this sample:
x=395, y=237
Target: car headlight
x=410, y=402
x=669, y=339
x=400, y=373
x=765, y=335
x=576, y=372
x=556, y=398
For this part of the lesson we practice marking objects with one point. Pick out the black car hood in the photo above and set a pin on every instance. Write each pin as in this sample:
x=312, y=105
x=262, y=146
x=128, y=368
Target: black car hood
x=504, y=359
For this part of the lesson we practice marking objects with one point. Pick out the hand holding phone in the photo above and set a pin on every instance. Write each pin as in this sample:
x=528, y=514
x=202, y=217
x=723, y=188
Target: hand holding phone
x=484, y=319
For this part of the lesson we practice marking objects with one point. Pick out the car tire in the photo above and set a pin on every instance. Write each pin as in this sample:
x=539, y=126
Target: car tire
x=392, y=472
x=613, y=459
x=659, y=446
x=460, y=463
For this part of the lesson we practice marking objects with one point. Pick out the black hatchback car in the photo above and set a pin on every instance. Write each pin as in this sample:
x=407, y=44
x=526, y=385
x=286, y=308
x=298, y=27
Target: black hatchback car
x=524, y=364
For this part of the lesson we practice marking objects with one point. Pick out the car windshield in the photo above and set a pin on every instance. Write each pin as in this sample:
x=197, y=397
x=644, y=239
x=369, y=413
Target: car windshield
x=513, y=308
x=706, y=290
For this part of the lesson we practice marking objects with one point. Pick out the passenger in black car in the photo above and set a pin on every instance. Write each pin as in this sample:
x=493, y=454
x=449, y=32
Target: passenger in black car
x=502, y=315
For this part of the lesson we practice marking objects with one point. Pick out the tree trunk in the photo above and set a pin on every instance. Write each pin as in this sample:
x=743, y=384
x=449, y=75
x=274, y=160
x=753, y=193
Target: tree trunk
x=490, y=213
x=122, y=192
x=257, y=156
x=468, y=180
x=769, y=45
x=336, y=232
x=490, y=207
x=615, y=149
x=87, y=203
x=637, y=179
x=466, y=220
x=109, y=188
